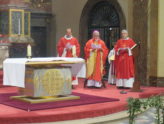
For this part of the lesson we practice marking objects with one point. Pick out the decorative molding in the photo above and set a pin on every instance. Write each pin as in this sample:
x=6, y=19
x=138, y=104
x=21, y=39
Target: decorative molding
x=39, y=4
x=156, y=81
x=84, y=20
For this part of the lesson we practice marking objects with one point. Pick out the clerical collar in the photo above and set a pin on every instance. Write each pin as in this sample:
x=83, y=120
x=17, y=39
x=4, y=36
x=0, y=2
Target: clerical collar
x=126, y=38
x=68, y=37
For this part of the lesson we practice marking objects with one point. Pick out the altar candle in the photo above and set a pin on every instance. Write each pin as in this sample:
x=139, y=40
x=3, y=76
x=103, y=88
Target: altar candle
x=29, y=52
x=19, y=26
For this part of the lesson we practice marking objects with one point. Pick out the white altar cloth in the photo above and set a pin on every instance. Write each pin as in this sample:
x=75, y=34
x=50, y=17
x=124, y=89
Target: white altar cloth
x=14, y=68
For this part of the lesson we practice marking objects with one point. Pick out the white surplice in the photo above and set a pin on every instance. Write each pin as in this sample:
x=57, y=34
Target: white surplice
x=111, y=75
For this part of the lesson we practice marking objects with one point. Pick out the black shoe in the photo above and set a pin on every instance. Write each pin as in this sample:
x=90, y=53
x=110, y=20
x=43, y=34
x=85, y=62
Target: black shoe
x=127, y=88
x=123, y=92
x=90, y=87
x=120, y=87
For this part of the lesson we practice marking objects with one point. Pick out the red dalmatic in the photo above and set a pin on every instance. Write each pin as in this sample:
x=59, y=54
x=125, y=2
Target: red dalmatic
x=124, y=62
x=62, y=44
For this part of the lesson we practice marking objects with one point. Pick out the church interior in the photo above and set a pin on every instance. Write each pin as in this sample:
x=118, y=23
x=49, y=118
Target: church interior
x=30, y=61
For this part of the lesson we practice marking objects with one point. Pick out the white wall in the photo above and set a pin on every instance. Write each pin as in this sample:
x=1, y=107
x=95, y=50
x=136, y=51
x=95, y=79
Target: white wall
x=160, y=72
x=68, y=13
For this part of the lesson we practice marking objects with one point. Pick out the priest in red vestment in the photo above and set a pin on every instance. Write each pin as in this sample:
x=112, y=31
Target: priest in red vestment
x=124, y=61
x=95, y=54
x=68, y=46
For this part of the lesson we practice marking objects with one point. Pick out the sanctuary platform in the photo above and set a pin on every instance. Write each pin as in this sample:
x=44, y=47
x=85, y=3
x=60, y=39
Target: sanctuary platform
x=12, y=115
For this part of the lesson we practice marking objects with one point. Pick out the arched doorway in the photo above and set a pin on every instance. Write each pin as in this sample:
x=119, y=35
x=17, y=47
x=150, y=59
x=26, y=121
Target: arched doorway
x=105, y=16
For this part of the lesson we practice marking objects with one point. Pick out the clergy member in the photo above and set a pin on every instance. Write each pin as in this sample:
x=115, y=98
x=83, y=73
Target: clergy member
x=68, y=46
x=95, y=53
x=111, y=74
x=124, y=61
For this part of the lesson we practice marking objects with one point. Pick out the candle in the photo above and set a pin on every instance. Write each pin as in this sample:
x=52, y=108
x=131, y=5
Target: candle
x=19, y=27
x=29, y=51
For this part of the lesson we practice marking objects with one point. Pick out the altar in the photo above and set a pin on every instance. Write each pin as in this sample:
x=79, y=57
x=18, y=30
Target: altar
x=43, y=77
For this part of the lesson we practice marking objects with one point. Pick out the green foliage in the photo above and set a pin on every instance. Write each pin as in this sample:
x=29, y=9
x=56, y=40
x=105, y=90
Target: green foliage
x=137, y=105
x=157, y=103
x=134, y=106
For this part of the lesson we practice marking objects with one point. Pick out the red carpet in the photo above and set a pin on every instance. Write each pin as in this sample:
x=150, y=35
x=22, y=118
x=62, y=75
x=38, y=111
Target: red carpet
x=5, y=96
x=1, y=78
x=11, y=115
x=84, y=100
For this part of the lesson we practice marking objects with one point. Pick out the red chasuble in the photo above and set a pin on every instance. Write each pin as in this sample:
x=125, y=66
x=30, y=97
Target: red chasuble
x=62, y=44
x=124, y=62
x=95, y=59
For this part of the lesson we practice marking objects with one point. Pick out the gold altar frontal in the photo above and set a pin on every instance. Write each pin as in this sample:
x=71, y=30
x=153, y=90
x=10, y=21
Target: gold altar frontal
x=47, y=82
